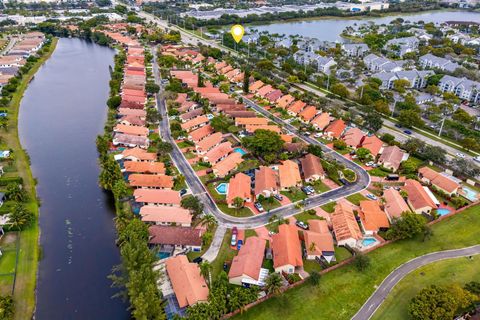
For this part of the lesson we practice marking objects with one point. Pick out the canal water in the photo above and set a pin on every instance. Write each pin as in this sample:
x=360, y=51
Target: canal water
x=329, y=29
x=61, y=114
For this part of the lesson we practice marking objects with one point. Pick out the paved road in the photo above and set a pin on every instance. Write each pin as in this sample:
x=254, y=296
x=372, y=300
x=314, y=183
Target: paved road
x=376, y=299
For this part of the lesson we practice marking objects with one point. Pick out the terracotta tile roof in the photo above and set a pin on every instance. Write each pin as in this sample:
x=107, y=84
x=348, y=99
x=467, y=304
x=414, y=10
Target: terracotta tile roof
x=241, y=114
x=187, y=77
x=187, y=106
x=251, y=121
x=285, y=101
x=223, y=167
x=187, y=282
x=286, y=247
x=171, y=235
x=201, y=133
x=269, y=127
x=218, y=152
x=220, y=65
x=321, y=121
x=157, y=196
x=353, y=137
x=274, y=95
x=417, y=196
x=395, y=205
x=134, y=92
x=319, y=226
x=335, y=129
x=289, y=174
x=263, y=91
x=139, y=154
x=286, y=137
x=265, y=179
x=344, y=223
x=239, y=186
x=438, y=180
x=230, y=107
x=373, y=144
x=373, y=218
x=238, y=78
x=165, y=214
x=181, y=98
x=194, y=122
x=295, y=147
x=391, y=157
x=226, y=69
x=311, y=166
x=249, y=259
x=132, y=121
x=296, y=107
x=131, y=130
x=135, y=99
x=144, y=167
x=150, y=181
x=132, y=112
x=308, y=113
x=319, y=236
x=209, y=142
x=191, y=114
x=256, y=85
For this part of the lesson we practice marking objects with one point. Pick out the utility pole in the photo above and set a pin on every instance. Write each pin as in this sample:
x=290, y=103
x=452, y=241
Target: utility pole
x=361, y=93
x=328, y=81
x=441, y=127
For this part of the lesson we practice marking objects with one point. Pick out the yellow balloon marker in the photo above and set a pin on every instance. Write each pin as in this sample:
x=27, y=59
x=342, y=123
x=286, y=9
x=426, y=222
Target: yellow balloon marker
x=237, y=32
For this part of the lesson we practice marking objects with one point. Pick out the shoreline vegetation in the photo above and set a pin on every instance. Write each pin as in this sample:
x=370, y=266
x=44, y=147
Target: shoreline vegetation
x=28, y=253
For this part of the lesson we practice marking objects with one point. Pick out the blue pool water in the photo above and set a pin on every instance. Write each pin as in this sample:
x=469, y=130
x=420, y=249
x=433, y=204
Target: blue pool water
x=443, y=211
x=163, y=255
x=368, y=241
x=240, y=150
x=470, y=194
x=222, y=188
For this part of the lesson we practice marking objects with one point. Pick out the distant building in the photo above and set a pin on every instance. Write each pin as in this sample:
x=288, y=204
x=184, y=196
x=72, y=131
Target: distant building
x=355, y=49
x=429, y=61
x=462, y=87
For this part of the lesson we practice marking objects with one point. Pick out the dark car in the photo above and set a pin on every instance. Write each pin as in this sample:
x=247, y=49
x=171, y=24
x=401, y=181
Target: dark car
x=407, y=131
x=344, y=181
x=398, y=125
x=198, y=260
x=182, y=192
x=234, y=230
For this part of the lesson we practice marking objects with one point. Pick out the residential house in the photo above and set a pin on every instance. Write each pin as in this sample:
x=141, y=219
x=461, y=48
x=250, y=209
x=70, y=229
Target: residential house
x=227, y=165
x=256, y=86
x=401, y=46
x=392, y=157
x=429, y=61
x=274, y=95
x=246, y=268
x=205, y=145
x=438, y=181
x=321, y=121
x=265, y=182
x=164, y=215
x=157, y=197
x=194, y=123
x=335, y=129
x=376, y=63
x=296, y=107
x=395, y=205
x=287, y=250
x=150, y=181
x=324, y=64
x=191, y=114
x=373, y=144
x=284, y=101
x=265, y=90
x=180, y=238
x=345, y=226
x=239, y=187
x=418, y=198
x=131, y=130
x=218, y=153
x=140, y=155
x=289, y=175
x=200, y=133
x=130, y=141
x=355, y=49
x=312, y=168
x=319, y=241
x=242, y=122
x=308, y=113
x=372, y=217
x=416, y=79
x=353, y=137
x=144, y=167
x=462, y=87
x=187, y=282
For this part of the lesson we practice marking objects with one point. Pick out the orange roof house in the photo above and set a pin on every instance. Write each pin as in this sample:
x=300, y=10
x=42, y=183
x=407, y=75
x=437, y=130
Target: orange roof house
x=263, y=91
x=187, y=282
x=392, y=157
x=157, y=197
x=335, y=129
x=287, y=250
x=374, y=144
x=265, y=182
x=268, y=127
x=132, y=112
x=131, y=130
x=308, y=113
x=286, y=138
x=164, y=215
x=395, y=205
x=209, y=142
x=151, y=181
x=194, y=123
x=239, y=186
x=251, y=121
x=284, y=102
x=246, y=266
x=289, y=175
x=418, y=198
x=312, y=168
x=227, y=165
x=218, y=153
x=321, y=121
x=372, y=217
x=296, y=107
x=256, y=85
x=353, y=137
x=138, y=154
x=345, y=226
x=438, y=180
x=319, y=241
x=200, y=133
x=144, y=167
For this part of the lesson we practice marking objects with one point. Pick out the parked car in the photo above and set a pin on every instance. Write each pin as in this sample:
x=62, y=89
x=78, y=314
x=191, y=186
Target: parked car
x=371, y=196
x=310, y=188
x=197, y=260
x=369, y=164
x=301, y=225
x=398, y=125
x=279, y=197
x=258, y=206
x=306, y=191
x=233, y=242
x=318, y=135
x=477, y=158
x=460, y=155
x=407, y=131
x=183, y=192
x=239, y=244
x=234, y=230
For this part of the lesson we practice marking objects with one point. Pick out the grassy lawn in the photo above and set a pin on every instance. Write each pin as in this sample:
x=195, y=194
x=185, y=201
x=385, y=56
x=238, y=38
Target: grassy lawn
x=189, y=155
x=303, y=216
x=356, y=198
x=343, y=291
x=295, y=194
x=198, y=167
x=184, y=144
x=311, y=265
x=243, y=212
x=460, y=270
x=270, y=203
x=378, y=172
x=225, y=254
x=7, y=261
x=319, y=186
x=329, y=207
x=250, y=233
x=24, y=294
x=342, y=254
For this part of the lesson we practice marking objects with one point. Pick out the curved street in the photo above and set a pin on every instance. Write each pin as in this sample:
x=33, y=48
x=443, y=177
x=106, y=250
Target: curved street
x=381, y=293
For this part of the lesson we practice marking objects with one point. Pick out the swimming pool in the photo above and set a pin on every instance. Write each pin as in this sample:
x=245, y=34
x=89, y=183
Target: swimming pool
x=222, y=188
x=368, y=241
x=240, y=150
x=443, y=211
x=470, y=194
x=163, y=255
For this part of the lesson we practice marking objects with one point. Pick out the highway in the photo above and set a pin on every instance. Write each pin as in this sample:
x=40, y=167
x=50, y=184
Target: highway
x=381, y=293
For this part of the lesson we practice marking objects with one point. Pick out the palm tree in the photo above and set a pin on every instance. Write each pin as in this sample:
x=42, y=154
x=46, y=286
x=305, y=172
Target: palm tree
x=205, y=268
x=238, y=203
x=274, y=283
x=312, y=247
x=16, y=192
x=20, y=217
x=208, y=220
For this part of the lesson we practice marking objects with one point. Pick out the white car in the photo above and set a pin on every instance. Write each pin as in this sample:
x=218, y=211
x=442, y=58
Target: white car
x=477, y=158
x=460, y=155
x=317, y=135
x=369, y=164
x=371, y=196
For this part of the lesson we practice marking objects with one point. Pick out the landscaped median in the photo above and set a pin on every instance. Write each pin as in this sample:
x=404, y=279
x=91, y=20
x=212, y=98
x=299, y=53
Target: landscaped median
x=343, y=291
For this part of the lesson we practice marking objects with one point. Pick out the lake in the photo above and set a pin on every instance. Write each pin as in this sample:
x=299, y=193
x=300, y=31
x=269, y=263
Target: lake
x=329, y=29
x=62, y=112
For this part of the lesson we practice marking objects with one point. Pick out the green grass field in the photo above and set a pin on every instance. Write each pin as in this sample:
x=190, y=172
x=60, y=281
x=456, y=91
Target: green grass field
x=356, y=198
x=343, y=291
x=460, y=270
